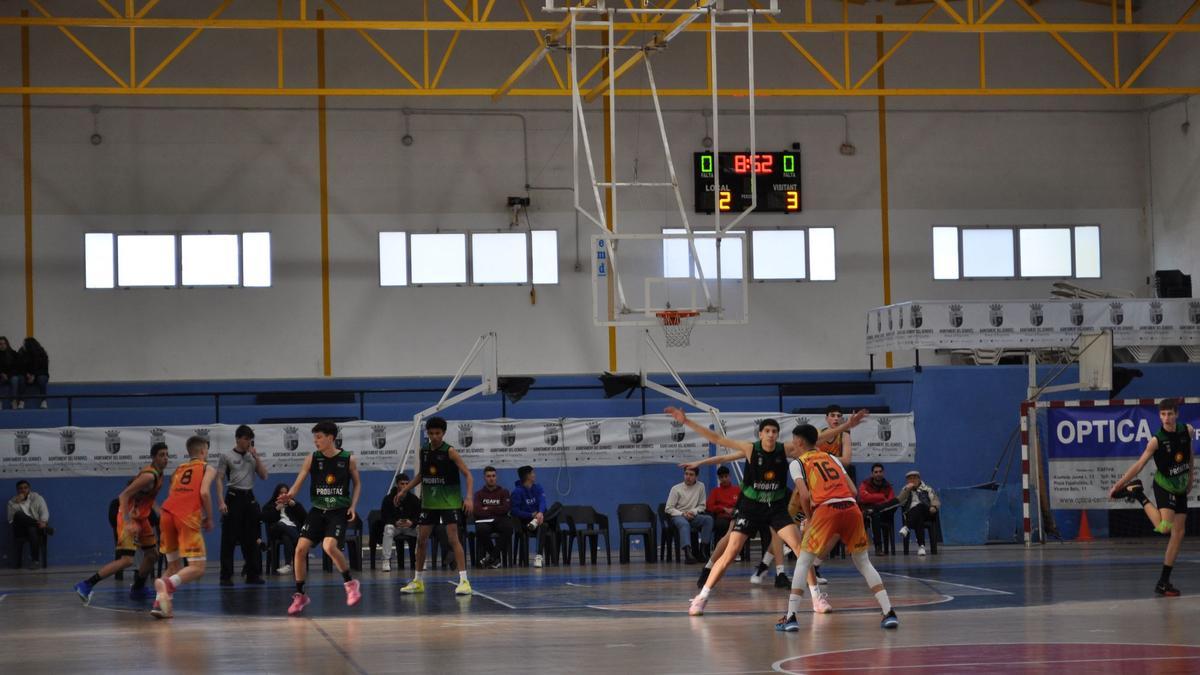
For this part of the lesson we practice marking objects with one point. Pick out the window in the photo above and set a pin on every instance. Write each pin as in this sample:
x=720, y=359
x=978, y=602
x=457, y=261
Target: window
x=545, y=256
x=1016, y=252
x=678, y=262
x=393, y=259
x=499, y=258
x=166, y=260
x=794, y=254
x=438, y=258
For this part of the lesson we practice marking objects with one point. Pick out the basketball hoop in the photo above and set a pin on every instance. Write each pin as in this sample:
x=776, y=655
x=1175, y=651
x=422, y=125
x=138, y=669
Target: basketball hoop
x=677, y=326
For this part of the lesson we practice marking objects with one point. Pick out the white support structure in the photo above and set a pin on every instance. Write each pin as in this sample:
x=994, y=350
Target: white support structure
x=486, y=350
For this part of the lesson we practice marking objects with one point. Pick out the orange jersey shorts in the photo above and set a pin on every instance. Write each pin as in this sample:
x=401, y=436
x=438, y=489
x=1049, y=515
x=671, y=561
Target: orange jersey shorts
x=139, y=535
x=181, y=534
x=833, y=521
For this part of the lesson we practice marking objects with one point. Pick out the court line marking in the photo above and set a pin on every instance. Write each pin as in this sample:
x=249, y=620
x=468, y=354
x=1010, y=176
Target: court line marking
x=948, y=583
x=892, y=666
x=485, y=596
x=338, y=648
x=750, y=612
x=2, y=597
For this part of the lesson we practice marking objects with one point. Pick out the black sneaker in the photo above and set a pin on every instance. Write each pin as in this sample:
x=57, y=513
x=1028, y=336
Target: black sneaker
x=1133, y=490
x=782, y=581
x=890, y=620
x=257, y=581
x=1164, y=588
x=225, y=581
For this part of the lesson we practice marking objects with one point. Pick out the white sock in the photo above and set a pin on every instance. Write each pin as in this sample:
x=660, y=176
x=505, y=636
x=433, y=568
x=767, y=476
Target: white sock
x=884, y=603
x=704, y=592
x=176, y=580
x=779, y=569
x=794, y=600
x=815, y=590
x=416, y=576
x=708, y=565
x=768, y=559
x=462, y=575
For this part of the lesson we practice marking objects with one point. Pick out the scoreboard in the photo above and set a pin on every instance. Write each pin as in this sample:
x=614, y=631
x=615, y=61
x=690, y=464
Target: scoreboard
x=777, y=175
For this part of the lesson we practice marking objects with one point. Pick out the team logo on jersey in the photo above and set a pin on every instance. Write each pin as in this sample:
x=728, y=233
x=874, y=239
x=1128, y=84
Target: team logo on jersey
x=21, y=443
x=916, y=319
x=551, y=432
x=1076, y=313
x=1036, y=318
x=996, y=315
x=378, y=436
x=768, y=475
x=337, y=440
x=433, y=470
x=885, y=429
x=593, y=433
x=1116, y=313
x=678, y=432
x=508, y=434
x=158, y=436
x=1194, y=312
x=330, y=479
x=1178, y=457
x=66, y=441
x=465, y=435
x=291, y=439
x=956, y=316
x=636, y=432
x=1156, y=313
x=112, y=441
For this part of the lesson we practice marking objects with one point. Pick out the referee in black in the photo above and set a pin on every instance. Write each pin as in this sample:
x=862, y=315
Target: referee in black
x=240, y=515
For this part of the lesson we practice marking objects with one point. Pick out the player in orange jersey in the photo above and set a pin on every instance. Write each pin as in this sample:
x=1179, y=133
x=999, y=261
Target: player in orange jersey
x=826, y=495
x=188, y=508
x=134, y=506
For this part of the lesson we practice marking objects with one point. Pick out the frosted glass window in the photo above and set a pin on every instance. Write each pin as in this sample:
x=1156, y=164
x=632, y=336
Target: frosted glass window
x=146, y=260
x=545, y=256
x=778, y=254
x=438, y=258
x=98, y=260
x=1046, y=252
x=209, y=259
x=678, y=262
x=945, y=253
x=393, y=259
x=1087, y=252
x=821, y=254
x=499, y=258
x=987, y=253
x=256, y=259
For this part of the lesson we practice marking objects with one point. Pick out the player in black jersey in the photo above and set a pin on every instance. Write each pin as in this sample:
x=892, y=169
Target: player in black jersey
x=1171, y=448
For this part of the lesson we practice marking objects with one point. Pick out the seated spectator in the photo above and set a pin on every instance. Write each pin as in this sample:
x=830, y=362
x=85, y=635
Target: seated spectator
x=721, y=503
x=35, y=364
x=11, y=374
x=284, y=521
x=919, y=502
x=28, y=515
x=685, y=505
x=492, y=504
x=529, y=507
x=398, y=521
x=877, y=500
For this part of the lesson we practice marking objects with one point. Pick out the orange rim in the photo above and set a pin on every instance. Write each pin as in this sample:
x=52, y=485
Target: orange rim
x=673, y=317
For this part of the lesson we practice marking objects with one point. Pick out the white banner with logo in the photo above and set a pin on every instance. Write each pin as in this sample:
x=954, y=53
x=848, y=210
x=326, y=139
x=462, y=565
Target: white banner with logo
x=1030, y=324
x=652, y=439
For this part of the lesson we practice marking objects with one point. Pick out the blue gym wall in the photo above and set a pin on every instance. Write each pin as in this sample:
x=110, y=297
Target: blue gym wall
x=965, y=417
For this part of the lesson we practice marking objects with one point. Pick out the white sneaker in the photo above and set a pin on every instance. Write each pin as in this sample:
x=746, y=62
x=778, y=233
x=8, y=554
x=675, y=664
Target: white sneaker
x=286, y=569
x=537, y=560
x=44, y=405
x=387, y=565
x=427, y=567
x=20, y=405
x=920, y=550
x=904, y=531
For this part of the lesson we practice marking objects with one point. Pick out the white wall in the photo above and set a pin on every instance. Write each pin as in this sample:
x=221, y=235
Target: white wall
x=180, y=168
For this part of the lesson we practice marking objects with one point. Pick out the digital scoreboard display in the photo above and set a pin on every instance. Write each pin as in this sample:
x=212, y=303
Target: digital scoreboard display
x=776, y=173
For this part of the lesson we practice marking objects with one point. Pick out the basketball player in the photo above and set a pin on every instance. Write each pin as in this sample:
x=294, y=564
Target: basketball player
x=826, y=495
x=764, y=495
x=134, y=506
x=1171, y=448
x=839, y=446
x=441, y=501
x=333, y=505
x=188, y=508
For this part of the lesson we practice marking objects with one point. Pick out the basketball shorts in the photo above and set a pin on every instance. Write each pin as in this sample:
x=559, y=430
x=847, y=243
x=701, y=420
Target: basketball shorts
x=141, y=535
x=831, y=522
x=750, y=517
x=1165, y=499
x=324, y=524
x=439, y=517
x=181, y=535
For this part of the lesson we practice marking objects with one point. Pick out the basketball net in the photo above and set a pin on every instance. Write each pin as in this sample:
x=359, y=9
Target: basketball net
x=677, y=326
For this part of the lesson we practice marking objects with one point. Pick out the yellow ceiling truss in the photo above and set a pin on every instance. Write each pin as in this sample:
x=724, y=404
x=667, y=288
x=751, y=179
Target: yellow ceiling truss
x=455, y=22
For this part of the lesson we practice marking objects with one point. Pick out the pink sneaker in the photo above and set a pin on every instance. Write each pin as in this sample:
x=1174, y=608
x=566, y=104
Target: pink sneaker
x=821, y=604
x=162, y=601
x=697, y=607
x=299, y=602
x=352, y=593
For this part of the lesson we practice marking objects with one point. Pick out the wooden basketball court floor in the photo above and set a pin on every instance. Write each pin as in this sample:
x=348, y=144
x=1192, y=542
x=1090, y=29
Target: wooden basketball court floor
x=1057, y=608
